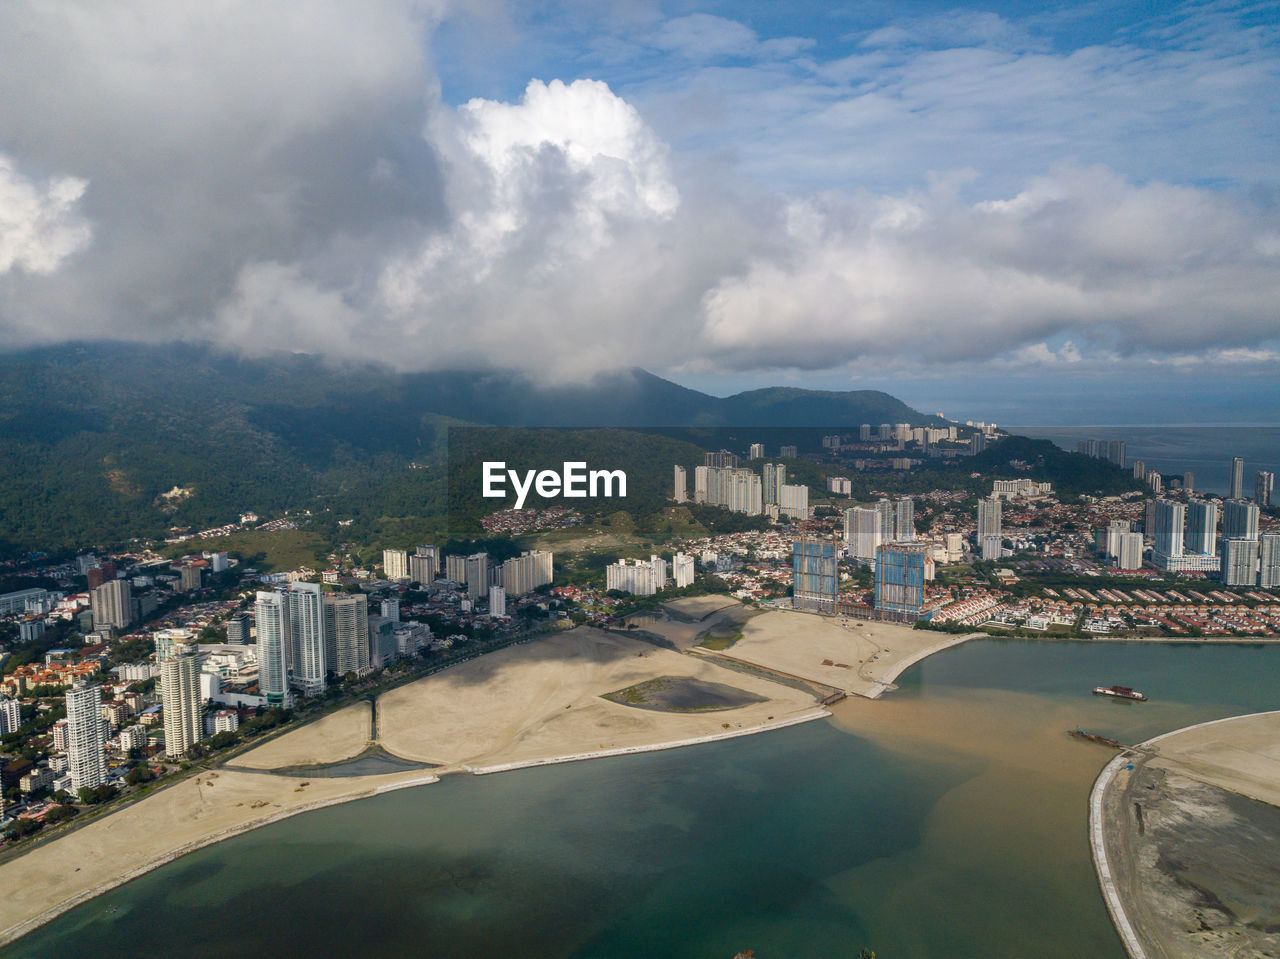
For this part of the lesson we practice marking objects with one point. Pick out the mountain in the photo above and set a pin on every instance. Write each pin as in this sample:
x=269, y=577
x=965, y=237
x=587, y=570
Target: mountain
x=100, y=441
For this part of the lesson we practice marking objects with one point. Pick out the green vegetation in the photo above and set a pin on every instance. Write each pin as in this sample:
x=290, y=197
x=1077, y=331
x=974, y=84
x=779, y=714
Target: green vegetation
x=266, y=550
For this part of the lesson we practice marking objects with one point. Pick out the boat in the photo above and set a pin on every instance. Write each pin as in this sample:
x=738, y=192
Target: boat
x=1079, y=733
x=1119, y=692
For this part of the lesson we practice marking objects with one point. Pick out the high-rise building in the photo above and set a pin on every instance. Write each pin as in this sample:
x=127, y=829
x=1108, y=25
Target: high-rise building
x=861, y=534
x=1130, y=551
x=180, y=694
x=787, y=452
x=455, y=568
x=1168, y=534
x=1116, y=452
x=1139, y=469
x=239, y=628
x=271, y=613
x=991, y=548
x=112, y=605
x=1239, y=519
x=864, y=433
x=423, y=567
x=395, y=563
x=346, y=632
x=813, y=574
x=900, y=575
x=1189, y=481
x=102, y=573
x=679, y=493
x=306, y=635
x=390, y=609
x=1114, y=532
x=757, y=451
x=905, y=520
x=1155, y=481
x=1202, y=528
x=1269, y=559
x=774, y=478
x=737, y=490
x=477, y=575
x=10, y=716
x=638, y=577
x=682, y=570
x=1239, y=562
x=497, y=602
x=989, y=519
x=793, y=501
x=1235, y=486
x=886, y=520
x=86, y=737
x=722, y=459
x=700, y=479
x=978, y=443
x=1263, y=488
x=526, y=572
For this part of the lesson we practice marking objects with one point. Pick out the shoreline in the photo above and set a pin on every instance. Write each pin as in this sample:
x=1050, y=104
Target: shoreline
x=16, y=931
x=1104, y=787
x=649, y=748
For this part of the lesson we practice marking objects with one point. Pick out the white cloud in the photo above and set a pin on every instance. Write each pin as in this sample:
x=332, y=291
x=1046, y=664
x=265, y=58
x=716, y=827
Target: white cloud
x=39, y=227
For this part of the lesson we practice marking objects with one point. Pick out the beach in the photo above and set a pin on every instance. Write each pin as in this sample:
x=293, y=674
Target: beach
x=855, y=657
x=1185, y=834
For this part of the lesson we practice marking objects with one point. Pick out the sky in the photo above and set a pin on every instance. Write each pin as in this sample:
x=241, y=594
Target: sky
x=1034, y=212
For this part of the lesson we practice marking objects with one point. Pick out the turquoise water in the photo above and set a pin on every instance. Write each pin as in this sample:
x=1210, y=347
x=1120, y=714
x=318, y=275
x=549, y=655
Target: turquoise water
x=944, y=820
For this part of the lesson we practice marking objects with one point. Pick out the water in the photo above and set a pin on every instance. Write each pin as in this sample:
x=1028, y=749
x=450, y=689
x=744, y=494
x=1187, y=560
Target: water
x=946, y=819
x=1169, y=450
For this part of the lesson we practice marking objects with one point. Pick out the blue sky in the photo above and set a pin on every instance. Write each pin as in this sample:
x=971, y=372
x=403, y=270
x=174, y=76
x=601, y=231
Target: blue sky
x=1022, y=211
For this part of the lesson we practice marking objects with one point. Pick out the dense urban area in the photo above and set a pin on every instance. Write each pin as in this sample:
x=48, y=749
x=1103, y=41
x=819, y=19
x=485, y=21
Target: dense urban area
x=125, y=667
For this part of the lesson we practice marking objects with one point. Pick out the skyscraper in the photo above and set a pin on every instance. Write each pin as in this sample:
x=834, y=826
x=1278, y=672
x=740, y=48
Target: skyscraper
x=183, y=715
x=477, y=575
x=1202, y=528
x=306, y=634
x=1189, y=481
x=1269, y=559
x=85, y=737
x=679, y=492
x=395, y=563
x=1170, y=521
x=988, y=519
x=526, y=572
x=682, y=570
x=905, y=520
x=861, y=534
x=1263, y=487
x=1130, y=553
x=1239, y=562
x=757, y=451
x=346, y=632
x=112, y=604
x=273, y=642
x=899, y=589
x=1236, y=484
x=886, y=520
x=813, y=574
x=1239, y=519
x=1139, y=469
x=497, y=602
x=774, y=478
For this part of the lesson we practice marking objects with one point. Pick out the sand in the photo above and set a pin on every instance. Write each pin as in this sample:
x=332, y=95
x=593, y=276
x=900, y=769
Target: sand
x=540, y=702
x=336, y=737
x=684, y=622
x=857, y=657
x=1189, y=784
x=58, y=875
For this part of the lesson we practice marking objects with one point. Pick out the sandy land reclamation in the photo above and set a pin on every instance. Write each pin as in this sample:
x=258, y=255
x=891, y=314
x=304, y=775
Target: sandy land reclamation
x=338, y=736
x=858, y=657
x=541, y=702
x=1183, y=829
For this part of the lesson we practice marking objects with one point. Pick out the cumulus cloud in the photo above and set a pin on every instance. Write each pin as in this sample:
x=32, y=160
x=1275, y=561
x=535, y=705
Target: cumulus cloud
x=39, y=227
x=295, y=180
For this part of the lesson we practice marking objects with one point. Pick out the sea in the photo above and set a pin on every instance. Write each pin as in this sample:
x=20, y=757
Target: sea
x=946, y=819
x=1171, y=450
